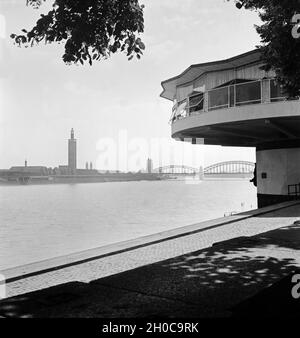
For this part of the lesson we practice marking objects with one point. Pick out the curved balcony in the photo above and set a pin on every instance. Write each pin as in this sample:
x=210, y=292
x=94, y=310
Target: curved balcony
x=241, y=114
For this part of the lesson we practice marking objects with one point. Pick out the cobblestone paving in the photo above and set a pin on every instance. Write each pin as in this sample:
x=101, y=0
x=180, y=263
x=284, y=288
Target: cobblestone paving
x=107, y=266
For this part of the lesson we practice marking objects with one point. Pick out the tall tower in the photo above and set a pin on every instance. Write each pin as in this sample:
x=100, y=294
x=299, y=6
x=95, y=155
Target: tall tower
x=72, y=153
x=149, y=166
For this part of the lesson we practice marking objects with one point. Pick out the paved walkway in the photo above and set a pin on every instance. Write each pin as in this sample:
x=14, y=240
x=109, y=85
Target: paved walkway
x=96, y=270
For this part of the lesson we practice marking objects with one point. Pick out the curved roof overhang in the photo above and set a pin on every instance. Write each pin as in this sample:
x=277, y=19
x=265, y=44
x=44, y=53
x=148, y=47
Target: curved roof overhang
x=194, y=71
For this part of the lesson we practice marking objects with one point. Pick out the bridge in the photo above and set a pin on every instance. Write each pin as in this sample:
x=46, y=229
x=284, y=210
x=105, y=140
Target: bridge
x=176, y=170
x=229, y=168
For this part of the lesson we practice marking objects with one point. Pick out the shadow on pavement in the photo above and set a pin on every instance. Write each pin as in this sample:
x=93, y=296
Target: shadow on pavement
x=232, y=278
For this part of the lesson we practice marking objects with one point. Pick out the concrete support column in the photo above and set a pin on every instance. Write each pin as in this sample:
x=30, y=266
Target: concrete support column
x=201, y=173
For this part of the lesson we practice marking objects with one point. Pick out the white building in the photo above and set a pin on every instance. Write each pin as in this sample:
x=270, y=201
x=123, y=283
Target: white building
x=234, y=102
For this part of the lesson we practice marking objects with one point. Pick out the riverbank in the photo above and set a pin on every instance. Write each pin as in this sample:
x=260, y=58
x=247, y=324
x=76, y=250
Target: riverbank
x=73, y=179
x=168, y=272
x=48, y=221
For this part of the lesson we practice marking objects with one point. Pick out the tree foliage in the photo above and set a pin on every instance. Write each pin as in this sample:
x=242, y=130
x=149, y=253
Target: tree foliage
x=90, y=29
x=94, y=29
x=280, y=50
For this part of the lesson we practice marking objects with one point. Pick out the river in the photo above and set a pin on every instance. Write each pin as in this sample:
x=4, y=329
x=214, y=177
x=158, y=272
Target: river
x=45, y=221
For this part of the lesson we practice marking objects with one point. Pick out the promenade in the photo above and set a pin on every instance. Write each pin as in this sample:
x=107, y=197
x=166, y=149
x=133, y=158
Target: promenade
x=204, y=270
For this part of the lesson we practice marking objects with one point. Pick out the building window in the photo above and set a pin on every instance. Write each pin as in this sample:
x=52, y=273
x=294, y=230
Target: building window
x=196, y=102
x=248, y=93
x=218, y=98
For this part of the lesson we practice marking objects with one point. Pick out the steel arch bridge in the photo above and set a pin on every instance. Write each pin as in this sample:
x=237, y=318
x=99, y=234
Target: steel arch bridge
x=176, y=170
x=230, y=167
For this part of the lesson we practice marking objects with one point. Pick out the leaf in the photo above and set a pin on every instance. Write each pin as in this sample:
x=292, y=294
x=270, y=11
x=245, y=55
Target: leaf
x=105, y=26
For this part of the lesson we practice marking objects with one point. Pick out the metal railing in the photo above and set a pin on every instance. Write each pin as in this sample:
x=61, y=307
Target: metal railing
x=294, y=190
x=235, y=95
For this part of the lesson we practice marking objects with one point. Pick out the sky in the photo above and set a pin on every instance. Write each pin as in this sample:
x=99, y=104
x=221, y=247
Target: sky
x=114, y=106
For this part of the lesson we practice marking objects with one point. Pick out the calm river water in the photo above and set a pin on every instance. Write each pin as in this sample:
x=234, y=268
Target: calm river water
x=44, y=221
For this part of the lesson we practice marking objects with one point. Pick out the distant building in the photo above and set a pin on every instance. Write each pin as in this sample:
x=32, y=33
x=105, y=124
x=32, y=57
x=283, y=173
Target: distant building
x=30, y=170
x=86, y=172
x=69, y=169
x=72, y=153
x=149, y=166
x=51, y=171
x=63, y=170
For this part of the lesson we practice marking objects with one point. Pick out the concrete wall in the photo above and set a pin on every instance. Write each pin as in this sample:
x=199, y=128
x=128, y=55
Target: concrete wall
x=282, y=168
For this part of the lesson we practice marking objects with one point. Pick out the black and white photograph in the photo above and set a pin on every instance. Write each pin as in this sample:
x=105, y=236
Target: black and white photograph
x=149, y=163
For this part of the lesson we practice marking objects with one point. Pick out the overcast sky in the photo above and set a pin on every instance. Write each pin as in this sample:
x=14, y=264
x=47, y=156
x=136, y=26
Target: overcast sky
x=114, y=101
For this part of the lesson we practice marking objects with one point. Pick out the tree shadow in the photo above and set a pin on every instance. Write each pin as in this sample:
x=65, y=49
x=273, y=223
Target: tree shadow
x=231, y=278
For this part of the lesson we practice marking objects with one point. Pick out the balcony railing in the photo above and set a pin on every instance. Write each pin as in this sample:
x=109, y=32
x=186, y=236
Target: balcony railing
x=294, y=190
x=236, y=95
